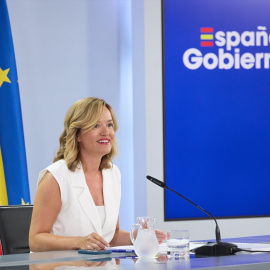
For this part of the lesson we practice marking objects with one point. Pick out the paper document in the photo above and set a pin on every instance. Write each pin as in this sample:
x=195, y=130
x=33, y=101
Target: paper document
x=162, y=247
x=253, y=246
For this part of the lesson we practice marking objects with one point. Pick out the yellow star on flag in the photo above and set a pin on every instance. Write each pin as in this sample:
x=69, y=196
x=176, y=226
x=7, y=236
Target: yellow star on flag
x=3, y=76
x=23, y=202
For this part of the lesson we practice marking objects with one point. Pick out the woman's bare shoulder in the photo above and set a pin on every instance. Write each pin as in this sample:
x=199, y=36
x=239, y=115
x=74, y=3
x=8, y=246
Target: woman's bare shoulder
x=48, y=184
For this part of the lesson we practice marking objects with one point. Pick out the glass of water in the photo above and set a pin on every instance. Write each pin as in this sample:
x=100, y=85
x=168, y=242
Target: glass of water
x=178, y=243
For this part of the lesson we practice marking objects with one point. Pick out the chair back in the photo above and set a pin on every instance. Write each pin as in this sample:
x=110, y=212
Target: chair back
x=14, y=228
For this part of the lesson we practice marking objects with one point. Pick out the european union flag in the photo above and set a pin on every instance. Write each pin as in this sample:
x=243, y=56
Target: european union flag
x=14, y=187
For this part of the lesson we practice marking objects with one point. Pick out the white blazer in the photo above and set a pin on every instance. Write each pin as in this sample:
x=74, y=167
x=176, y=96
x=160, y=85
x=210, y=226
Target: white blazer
x=78, y=215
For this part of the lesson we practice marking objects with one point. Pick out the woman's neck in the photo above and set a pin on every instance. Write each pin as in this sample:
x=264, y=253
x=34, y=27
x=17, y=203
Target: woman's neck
x=90, y=164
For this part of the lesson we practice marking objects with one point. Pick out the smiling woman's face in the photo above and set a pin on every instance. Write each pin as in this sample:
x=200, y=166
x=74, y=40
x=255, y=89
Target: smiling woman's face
x=99, y=140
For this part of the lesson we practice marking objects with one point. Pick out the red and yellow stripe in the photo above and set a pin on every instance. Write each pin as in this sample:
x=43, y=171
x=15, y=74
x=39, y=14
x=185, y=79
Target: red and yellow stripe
x=3, y=189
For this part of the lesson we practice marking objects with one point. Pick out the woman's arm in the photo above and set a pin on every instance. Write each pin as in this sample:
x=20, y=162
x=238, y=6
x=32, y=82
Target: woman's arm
x=47, y=206
x=121, y=237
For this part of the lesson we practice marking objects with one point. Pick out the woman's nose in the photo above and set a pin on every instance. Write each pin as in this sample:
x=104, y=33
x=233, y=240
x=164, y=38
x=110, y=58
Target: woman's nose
x=104, y=130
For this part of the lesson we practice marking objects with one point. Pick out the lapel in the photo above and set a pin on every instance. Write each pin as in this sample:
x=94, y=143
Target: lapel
x=84, y=198
x=111, y=209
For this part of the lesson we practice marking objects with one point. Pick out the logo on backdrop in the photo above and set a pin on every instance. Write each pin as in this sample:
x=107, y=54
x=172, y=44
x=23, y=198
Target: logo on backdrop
x=229, y=55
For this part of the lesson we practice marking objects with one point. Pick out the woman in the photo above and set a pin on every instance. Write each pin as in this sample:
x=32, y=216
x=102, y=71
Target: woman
x=78, y=196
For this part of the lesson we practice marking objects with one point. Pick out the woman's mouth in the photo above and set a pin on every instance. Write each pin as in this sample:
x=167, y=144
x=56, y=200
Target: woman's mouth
x=103, y=141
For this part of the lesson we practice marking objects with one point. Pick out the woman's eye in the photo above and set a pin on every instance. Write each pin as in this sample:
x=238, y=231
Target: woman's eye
x=110, y=125
x=96, y=126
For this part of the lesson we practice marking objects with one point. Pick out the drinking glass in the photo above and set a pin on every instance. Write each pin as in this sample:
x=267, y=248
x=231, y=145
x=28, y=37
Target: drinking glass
x=178, y=243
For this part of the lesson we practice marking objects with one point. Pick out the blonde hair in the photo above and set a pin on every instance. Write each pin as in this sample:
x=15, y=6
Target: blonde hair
x=83, y=114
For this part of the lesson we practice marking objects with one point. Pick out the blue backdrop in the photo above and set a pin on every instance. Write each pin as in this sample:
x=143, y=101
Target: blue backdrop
x=217, y=107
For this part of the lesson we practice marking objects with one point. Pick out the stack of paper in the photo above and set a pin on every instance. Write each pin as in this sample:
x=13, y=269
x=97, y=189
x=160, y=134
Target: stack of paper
x=254, y=246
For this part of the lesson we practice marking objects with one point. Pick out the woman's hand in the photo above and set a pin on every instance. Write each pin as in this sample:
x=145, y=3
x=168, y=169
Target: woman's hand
x=93, y=241
x=161, y=236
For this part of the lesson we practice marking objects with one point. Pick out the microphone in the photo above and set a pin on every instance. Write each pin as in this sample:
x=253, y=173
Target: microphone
x=210, y=249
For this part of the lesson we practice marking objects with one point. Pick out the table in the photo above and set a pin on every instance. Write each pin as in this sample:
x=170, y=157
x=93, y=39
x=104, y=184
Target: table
x=70, y=259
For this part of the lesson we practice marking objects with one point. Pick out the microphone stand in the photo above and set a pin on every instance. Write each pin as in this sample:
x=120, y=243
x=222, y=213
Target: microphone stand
x=210, y=249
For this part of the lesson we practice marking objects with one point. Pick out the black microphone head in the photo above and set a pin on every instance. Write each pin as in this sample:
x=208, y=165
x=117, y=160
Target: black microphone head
x=156, y=181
